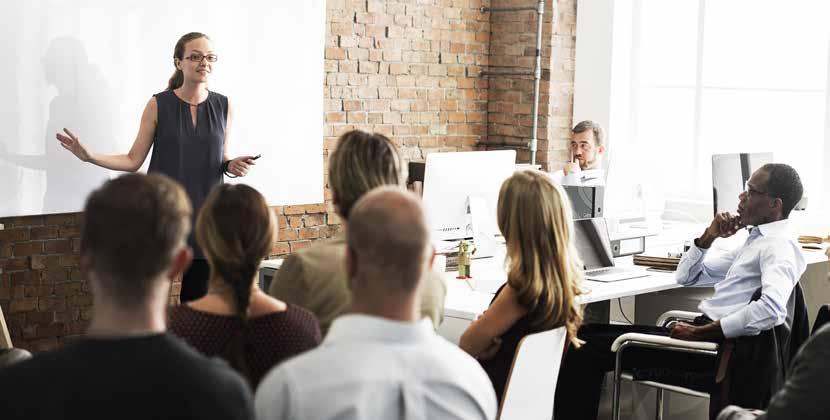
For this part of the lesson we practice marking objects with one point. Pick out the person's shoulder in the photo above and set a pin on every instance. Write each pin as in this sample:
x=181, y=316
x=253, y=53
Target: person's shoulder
x=218, y=95
x=556, y=175
x=22, y=376
x=322, y=256
x=457, y=367
x=455, y=362
x=302, y=322
x=316, y=362
x=167, y=93
x=299, y=315
x=199, y=372
x=820, y=340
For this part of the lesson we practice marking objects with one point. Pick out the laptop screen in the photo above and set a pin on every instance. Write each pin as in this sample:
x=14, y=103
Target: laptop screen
x=592, y=243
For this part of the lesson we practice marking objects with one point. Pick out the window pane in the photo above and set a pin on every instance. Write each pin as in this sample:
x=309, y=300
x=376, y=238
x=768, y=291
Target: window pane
x=789, y=124
x=766, y=43
x=668, y=42
x=659, y=156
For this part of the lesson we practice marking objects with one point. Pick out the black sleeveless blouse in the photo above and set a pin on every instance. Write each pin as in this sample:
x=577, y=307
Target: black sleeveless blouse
x=192, y=155
x=498, y=367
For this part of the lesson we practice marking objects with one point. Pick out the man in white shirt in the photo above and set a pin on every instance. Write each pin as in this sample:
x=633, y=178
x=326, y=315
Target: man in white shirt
x=379, y=361
x=769, y=261
x=587, y=147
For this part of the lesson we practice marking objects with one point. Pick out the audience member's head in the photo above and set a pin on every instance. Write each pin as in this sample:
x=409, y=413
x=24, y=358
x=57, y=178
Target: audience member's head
x=534, y=215
x=388, y=248
x=771, y=193
x=587, y=144
x=133, y=240
x=235, y=229
x=360, y=162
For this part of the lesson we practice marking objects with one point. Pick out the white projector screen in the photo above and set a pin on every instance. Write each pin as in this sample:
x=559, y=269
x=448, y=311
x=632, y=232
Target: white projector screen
x=92, y=65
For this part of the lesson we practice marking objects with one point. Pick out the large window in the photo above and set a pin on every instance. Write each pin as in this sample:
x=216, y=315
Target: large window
x=694, y=78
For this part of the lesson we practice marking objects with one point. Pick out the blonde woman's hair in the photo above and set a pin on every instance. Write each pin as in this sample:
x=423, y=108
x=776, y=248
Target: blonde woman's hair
x=534, y=215
x=360, y=162
x=235, y=229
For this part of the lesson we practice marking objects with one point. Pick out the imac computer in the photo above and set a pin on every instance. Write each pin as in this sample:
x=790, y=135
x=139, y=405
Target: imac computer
x=461, y=191
x=729, y=173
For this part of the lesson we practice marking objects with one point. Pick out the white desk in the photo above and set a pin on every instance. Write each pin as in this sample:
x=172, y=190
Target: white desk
x=463, y=304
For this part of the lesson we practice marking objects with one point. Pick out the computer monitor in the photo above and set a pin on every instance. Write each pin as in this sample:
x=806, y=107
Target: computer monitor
x=729, y=173
x=450, y=179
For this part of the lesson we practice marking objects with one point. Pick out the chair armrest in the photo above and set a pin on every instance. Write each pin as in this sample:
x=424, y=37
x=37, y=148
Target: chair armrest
x=674, y=316
x=648, y=340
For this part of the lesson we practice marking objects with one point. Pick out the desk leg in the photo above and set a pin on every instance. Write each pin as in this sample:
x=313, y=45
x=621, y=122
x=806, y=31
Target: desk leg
x=597, y=313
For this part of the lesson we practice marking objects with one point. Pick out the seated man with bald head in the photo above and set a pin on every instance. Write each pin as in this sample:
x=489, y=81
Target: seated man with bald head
x=315, y=277
x=380, y=361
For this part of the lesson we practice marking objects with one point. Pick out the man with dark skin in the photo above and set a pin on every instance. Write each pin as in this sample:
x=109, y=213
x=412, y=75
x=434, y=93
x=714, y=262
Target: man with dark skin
x=769, y=260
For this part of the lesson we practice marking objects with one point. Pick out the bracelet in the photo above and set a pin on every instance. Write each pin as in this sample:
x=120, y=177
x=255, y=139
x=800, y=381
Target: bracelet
x=225, y=169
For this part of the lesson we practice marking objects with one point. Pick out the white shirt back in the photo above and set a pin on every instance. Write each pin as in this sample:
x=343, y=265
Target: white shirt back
x=373, y=368
x=585, y=178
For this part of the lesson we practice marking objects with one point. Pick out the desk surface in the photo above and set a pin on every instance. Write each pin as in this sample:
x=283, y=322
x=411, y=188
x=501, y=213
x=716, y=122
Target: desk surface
x=464, y=302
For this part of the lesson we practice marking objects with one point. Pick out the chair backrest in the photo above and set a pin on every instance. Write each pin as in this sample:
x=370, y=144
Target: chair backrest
x=531, y=385
x=5, y=339
x=822, y=317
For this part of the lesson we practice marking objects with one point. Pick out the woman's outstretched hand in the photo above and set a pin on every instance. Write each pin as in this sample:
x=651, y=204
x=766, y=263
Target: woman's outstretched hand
x=70, y=142
x=241, y=165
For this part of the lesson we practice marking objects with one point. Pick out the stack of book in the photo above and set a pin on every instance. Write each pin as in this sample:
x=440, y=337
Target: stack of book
x=661, y=263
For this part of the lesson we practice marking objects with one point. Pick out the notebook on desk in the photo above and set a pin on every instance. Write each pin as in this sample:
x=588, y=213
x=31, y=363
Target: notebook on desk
x=594, y=248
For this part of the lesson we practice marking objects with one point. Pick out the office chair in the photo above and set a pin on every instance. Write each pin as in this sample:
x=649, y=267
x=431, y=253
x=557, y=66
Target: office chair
x=785, y=338
x=531, y=385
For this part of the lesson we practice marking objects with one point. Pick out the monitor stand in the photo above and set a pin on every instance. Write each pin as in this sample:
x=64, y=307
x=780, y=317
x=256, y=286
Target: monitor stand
x=483, y=236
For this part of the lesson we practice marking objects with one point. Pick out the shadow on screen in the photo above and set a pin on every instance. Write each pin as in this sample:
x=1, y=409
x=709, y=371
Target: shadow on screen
x=84, y=103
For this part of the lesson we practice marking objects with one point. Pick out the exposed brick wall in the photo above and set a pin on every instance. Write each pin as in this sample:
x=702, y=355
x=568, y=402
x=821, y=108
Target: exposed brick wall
x=513, y=48
x=408, y=69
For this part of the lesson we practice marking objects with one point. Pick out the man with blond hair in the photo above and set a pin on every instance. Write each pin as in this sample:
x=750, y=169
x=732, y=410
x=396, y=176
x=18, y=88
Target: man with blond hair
x=315, y=277
x=380, y=361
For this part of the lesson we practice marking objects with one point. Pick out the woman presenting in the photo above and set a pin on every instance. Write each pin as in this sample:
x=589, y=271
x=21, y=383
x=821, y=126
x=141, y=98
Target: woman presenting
x=188, y=125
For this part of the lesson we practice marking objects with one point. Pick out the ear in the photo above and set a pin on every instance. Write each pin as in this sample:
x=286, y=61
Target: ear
x=777, y=204
x=601, y=149
x=181, y=262
x=177, y=63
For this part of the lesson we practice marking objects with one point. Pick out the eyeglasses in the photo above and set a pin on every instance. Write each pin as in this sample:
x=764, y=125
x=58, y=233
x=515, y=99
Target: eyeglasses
x=584, y=145
x=198, y=57
x=750, y=190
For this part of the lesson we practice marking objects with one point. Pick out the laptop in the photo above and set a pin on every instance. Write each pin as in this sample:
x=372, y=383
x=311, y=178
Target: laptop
x=594, y=249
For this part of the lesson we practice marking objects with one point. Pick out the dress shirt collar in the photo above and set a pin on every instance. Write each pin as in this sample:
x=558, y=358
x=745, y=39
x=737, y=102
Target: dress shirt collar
x=779, y=229
x=363, y=328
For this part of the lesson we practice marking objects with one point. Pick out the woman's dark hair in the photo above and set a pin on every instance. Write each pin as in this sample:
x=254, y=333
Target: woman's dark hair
x=177, y=79
x=235, y=229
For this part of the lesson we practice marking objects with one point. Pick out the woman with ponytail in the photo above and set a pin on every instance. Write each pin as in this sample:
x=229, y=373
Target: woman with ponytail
x=188, y=127
x=236, y=320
